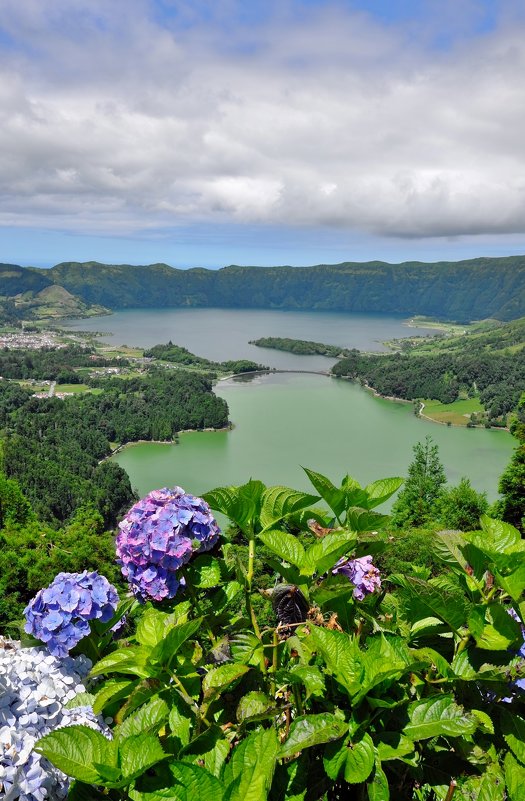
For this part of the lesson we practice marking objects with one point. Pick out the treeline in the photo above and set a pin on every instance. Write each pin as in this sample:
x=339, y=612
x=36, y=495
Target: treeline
x=54, y=448
x=47, y=364
x=176, y=354
x=468, y=290
x=301, y=347
x=497, y=377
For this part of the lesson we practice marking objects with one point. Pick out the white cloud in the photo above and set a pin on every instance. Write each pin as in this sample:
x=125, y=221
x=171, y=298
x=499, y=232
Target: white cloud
x=111, y=122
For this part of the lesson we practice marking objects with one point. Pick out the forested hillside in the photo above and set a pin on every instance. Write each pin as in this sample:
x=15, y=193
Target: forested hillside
x=468, y=290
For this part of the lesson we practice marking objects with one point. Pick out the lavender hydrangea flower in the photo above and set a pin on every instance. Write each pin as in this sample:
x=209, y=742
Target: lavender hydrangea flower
x=59, y=614
x=362, y=573
x=158, y=535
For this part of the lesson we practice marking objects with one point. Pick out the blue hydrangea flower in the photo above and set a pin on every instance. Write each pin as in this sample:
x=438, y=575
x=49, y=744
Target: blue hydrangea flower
x=362, y=573
x=158, y=535
x=59, y=615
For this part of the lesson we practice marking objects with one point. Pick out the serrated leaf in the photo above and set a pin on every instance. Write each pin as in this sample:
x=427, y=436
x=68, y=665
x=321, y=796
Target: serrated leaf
x=438, y=715
x=353, y=758
x=139, y=753
x=323, y=555
x=308, y=675
x=180, y=720
x=377, y=787
x=393, y=745
x=165, y=652
x=113, y=689
x=211, y=748
x=360, y=520
x=447, y=547
x=334, y=497
x=153, y=626
x=493, y=628
x=425, y=600
x=241, y=504
x=279, y=502
x=284, y=545
x=149, y=717
x=514, y=778
x=252, y=705
x=501, y=536
x=342, y=656
x=178, y=781
x=513, y=730
x=309, y=730
x=81, y=699
x=380, y=491
x=205, y=572
x=220, y=677
x=75, y=749
x=79, y=791
x=246, y=648
x=132, y=659
x=248, y=774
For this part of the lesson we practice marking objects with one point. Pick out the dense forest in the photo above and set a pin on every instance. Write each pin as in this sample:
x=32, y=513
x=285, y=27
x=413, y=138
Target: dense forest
x=469, y=290
x=176, y=354
x=301, y=347
x=55, y=448
x=50, y=364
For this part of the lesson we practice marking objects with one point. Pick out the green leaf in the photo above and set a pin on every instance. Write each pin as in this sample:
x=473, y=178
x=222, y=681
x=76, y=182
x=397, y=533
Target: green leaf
x=424, y=600
x=377, y=787
x=360, y=520
x=437, y=715
x=248, y=775
x=393, y=745
x=138, y=754
x=513, y=730
x=380, y=491
x=211, y=748
x=220, y=677
x=79, y=791
x=514, y=778
x=493, y=628
x=81, y=699
x=500, y=536
x=178, y=781
x=308, y=675
x=149, y=717
x=131, y=660
x=279, y=502
x=342, y=656
x=153, y=627
x=334, y=497
x=309, y=730
x=75, y=749
x=323, y=555
x=386, y=658
x=354, y=758
x=252, y=705
x=240, y=504
x=284, y=545
x=112, y=689
x=447, y=547
x=180, y=720
x=205, y=572
x=246, y=648
x=165, y=652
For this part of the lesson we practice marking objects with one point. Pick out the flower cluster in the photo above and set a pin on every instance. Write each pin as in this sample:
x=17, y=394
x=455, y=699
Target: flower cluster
x=362, y=573
x=34, y=686
x=159, y=534
x=59, y=614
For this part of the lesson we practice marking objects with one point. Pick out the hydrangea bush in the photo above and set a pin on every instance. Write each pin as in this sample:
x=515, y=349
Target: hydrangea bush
x=335, y=683
x=158, y=536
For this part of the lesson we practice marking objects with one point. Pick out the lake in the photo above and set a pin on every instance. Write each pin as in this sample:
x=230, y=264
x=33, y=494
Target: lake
x=221, y=334
x=283, y=421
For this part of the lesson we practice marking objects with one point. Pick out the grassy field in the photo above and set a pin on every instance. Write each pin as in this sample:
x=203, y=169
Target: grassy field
x=456, y=413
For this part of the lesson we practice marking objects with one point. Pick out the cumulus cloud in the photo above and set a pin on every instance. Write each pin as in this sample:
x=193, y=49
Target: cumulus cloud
x=116, y=118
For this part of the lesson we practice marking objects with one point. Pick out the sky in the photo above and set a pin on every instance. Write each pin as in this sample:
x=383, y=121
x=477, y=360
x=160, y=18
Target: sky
x=212, y=132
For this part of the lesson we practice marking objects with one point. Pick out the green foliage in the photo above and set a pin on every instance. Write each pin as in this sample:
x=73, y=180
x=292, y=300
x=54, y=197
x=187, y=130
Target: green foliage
x=390, y=696
x=176, y=354
x=418, y=501
x=461, y=507
x=301, y=347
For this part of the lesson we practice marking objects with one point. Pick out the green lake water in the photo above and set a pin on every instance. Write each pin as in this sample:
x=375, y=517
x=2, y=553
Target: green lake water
x=283, y=421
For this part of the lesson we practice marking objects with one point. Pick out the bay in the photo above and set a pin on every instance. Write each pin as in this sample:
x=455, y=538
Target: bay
x=283, y=421
x=221, y=334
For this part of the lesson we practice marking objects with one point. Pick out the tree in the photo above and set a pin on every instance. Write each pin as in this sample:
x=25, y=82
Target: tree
x=417, y=503
x=461, y=507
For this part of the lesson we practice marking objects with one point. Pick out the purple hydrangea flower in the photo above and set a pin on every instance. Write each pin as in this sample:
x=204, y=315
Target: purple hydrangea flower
x=159, y=534
x=361, y=573
x=59, y=614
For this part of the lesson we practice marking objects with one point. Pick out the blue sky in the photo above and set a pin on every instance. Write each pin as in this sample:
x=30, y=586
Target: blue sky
x=213, y=132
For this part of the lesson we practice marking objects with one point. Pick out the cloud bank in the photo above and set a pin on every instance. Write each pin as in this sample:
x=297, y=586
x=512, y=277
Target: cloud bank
x=131, y=117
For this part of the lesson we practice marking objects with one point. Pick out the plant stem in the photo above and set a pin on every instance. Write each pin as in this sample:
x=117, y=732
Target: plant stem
x=200, y=613
x=249, y=579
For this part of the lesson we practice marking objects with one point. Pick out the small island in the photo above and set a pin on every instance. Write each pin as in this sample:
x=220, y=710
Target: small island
x=301, y=347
